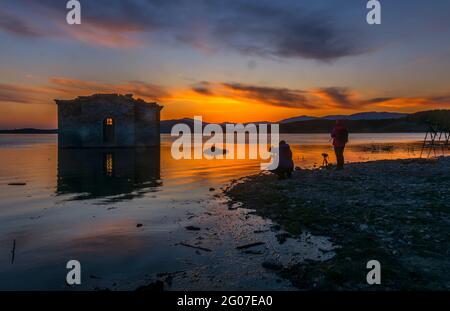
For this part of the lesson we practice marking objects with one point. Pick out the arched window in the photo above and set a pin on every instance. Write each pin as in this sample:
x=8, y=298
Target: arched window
x=108, y=130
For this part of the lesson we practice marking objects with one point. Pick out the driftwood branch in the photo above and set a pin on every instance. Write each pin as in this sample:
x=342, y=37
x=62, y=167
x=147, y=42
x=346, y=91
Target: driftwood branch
x=249, y=245
x=197, y=247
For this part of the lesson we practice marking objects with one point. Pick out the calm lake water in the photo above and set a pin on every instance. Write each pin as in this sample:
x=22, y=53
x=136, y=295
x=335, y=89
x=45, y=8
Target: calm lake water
x=87, y=204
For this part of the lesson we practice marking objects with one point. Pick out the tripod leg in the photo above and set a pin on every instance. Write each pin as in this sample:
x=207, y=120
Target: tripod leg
x=423, y=144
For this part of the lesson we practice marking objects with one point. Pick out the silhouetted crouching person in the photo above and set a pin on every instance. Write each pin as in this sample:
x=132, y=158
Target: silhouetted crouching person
x=285, y=164
x=340, y=138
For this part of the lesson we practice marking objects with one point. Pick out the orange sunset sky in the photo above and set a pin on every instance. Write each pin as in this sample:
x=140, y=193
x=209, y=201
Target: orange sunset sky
x=236, y=61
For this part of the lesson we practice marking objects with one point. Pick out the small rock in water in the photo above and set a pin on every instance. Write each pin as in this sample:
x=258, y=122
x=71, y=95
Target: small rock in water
x=17, y=184
x=272, y=265
x=211, y=189
x=139, y=225
x=192, y=228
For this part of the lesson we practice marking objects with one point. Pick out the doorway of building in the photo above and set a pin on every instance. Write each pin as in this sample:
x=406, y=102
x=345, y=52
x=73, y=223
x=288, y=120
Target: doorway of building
x=108, y=130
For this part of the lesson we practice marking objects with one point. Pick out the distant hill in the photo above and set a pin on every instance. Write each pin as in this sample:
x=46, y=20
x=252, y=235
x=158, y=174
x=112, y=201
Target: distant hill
x=364, y=122
x=372, y=115
x=296, y=119
x=166, y=125
x=29, y=131
x=368, y=116
x=412, y=123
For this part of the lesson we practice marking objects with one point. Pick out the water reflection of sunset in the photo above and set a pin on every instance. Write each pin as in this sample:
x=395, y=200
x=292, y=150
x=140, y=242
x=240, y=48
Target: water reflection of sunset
x=88, y=203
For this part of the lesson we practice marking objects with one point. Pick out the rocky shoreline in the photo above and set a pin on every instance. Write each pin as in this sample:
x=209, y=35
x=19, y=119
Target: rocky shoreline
x=393, y=211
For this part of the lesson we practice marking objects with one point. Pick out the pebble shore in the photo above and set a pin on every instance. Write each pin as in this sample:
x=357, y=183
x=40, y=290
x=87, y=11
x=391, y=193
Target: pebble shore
x=393, y=211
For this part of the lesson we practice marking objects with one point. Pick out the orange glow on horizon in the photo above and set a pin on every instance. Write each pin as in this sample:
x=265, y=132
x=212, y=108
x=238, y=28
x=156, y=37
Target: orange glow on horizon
x=33, y=106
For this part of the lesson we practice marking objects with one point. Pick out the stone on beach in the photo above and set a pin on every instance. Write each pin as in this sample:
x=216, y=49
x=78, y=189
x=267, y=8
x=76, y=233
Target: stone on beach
x=192, y=228
x=272, y=265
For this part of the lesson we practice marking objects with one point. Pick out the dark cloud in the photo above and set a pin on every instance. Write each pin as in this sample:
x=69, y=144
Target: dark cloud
x=342, y=98
x=13, y=94
x=282, y=29
x=432, y=100
x=21, y=94
x=441, y=99
x=67, y=87
x=136, y=87
x=378, y=100
x=281, y=97
x=17, y=26
x=145, y=89
x=202, y=88
x=339, y=96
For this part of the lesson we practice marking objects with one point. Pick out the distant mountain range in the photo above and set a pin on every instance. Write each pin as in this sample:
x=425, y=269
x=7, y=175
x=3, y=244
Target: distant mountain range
x=363, y=122
x=167, y=125
x=297, y=119
x=373, y=115
x=374, y=123
x=358, y=122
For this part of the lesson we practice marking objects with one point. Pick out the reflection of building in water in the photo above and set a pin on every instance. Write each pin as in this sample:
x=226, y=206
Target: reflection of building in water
x=109, y=164
x=97, y=172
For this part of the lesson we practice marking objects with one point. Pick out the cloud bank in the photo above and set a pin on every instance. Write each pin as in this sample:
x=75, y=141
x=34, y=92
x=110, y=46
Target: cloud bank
x=207, y=96
x=280, y=29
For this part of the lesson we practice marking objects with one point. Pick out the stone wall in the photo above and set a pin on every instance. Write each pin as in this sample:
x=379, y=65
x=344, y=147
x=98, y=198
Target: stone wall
x=69, y=124
x=146, y=125
x=80, y=121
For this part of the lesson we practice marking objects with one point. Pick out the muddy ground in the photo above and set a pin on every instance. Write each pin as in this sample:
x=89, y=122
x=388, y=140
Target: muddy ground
x=396, y=212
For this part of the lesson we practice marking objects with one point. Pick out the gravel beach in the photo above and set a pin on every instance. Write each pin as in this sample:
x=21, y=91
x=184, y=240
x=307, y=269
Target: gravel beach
x=393, y=211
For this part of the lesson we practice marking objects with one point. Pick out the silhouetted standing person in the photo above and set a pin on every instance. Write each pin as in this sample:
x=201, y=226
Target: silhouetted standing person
x=340, y=138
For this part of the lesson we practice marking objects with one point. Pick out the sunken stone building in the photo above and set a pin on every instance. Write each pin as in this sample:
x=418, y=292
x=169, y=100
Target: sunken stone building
x=108, y=120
